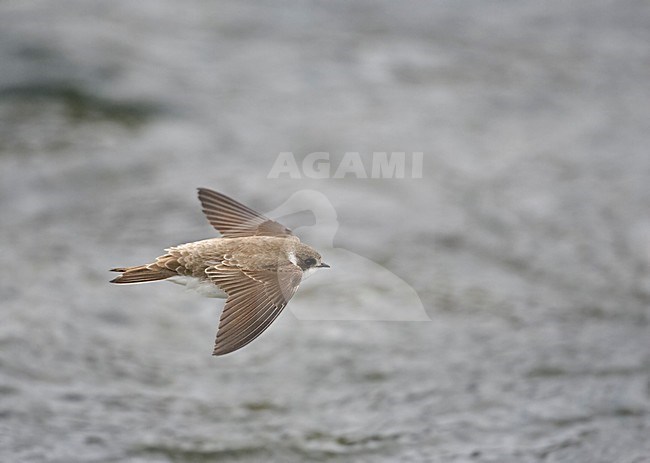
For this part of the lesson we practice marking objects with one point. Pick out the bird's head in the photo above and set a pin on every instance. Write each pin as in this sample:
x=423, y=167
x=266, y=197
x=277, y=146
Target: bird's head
x=308, y=260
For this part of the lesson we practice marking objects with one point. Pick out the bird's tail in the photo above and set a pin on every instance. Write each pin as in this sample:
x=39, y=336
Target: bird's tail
x=142, y=274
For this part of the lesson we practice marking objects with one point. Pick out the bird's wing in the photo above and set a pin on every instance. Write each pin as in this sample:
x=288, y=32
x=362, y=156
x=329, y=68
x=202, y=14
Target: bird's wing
x=255, y=299
x=234, y=220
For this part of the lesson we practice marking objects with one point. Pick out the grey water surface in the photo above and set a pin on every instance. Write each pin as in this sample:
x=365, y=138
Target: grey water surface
x=526, y=243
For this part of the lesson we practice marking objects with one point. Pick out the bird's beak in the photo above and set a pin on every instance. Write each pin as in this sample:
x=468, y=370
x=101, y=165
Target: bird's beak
x=323, y=265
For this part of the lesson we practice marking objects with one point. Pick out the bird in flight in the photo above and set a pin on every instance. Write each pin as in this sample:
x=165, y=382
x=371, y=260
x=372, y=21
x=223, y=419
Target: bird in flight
x=256, y=265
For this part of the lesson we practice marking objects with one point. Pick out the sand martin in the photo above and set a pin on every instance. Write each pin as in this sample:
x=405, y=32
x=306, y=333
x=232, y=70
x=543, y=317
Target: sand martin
x=257, y=265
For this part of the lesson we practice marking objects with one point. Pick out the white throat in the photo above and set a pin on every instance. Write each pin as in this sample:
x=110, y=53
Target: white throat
x=309, y=272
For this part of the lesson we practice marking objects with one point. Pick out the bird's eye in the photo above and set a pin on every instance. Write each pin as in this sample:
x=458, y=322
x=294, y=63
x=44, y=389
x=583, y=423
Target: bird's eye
x=310, y=262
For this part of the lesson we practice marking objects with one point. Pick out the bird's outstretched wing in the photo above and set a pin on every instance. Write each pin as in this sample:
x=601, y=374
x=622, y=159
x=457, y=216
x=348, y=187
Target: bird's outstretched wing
x=255, y=299
x=234, y=220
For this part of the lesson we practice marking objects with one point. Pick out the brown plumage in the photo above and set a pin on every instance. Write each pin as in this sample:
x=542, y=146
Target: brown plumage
x=141, y=274
x=257, y=265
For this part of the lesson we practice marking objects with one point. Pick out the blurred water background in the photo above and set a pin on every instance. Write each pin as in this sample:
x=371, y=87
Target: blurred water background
x=527, y=240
